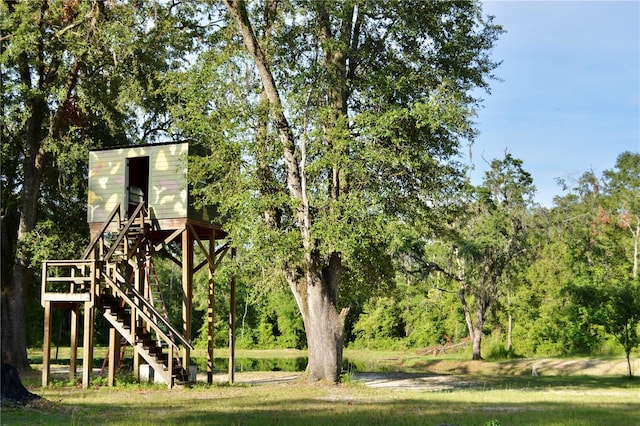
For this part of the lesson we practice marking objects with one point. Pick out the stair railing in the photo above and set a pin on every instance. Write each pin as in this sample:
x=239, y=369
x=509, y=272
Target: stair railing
x=138, y=213
x=139, y=312
x=68, y=281
x=150, y=270
x=99, y=236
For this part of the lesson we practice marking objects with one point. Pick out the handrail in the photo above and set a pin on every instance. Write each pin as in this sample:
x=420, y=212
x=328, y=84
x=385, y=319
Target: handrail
x=65, y=262
x=141, y=314
x=147, y=318
x=124, y=230
x=160, y=318
x=105, y=225
x=78, y=264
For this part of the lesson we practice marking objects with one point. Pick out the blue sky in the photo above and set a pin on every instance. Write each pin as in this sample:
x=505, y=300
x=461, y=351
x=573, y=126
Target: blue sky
x=569, y=101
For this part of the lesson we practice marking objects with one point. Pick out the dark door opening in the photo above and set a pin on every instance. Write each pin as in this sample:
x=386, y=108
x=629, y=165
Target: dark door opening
x=137, y=182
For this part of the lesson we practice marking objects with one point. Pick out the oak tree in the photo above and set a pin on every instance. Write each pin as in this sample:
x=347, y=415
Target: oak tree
x=336, y=120
x=492, y=239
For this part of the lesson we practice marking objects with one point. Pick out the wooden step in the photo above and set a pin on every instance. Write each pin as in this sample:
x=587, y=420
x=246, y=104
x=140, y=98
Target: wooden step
x=181, y=375
x=162, y=358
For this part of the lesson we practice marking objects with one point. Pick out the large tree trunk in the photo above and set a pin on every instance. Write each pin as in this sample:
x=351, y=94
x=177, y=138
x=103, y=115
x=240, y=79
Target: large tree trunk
x=324, y=335
x=316, y=295
x=15, y=294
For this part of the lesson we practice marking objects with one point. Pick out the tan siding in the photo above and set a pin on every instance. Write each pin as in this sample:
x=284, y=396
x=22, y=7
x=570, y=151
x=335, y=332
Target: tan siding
x=167, y=181
x=106, y=183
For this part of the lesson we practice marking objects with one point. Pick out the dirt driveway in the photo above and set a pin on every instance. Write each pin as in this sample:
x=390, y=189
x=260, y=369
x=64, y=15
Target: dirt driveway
x=448, y=375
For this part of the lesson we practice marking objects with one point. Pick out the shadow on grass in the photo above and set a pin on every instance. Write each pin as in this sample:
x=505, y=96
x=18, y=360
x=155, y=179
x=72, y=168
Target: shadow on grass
x=328, y=409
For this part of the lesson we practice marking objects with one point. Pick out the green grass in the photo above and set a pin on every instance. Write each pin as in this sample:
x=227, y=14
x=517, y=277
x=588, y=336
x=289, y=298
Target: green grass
x=481, y=399
x=581, y=401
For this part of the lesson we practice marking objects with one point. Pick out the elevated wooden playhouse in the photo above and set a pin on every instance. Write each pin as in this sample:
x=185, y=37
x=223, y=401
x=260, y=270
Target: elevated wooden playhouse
x=139, y=204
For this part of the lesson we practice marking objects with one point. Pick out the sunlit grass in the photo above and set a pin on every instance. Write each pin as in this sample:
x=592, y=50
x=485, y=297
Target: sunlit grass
x=480, y=397
x=501, y=402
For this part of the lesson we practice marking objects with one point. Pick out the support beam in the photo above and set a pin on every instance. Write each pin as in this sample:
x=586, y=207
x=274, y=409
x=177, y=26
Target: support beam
x=232, y=325
x=187, y=293
x=135, y=346
x=73, y=345
x=173, y=236
x=135, y=324
x=114, y=352
x=204, y=250
x=46, y=345
x=211, y=309
x=87, y=340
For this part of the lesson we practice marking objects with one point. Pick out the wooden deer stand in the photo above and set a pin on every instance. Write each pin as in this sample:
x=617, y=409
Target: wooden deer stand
x=139, y=206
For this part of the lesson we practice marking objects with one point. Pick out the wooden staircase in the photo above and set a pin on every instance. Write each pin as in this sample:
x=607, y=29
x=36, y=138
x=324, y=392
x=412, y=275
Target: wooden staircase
x=154, y=349
x=105, y=277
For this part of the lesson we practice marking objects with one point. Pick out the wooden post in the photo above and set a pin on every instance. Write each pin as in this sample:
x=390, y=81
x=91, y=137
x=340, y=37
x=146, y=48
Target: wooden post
x=187, y=292
x=46, y=345
x=135, y=325
x=170, y=367
x=87, y=357
x=73, y=345
x=113, y=354
x=232, y=325
x=136, y=345
x=211, y=309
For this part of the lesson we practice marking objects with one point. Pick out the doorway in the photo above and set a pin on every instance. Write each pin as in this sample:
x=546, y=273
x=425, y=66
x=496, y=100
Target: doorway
x=137, y=188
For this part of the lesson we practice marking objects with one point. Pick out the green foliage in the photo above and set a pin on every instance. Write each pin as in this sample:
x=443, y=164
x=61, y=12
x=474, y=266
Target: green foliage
x=411, y=316
x=622, y=314
x=585, y=265
x=380, y=326
x=280, y=324
x=52, y=240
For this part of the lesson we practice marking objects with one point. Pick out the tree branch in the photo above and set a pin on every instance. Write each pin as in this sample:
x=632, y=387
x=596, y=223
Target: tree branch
x=238, y=10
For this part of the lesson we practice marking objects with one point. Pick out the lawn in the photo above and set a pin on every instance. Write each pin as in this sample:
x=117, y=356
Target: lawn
x=478, y=397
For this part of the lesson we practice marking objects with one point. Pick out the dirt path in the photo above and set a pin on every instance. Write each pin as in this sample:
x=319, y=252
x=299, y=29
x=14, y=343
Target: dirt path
x=443, y=375
x=543, y=366
x=417, y=381
x=447, y=375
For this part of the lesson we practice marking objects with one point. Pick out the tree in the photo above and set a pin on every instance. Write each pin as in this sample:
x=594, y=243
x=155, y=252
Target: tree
x=622, y=186
x=546, y=326
x=74, y=74
x=622, y=316
x=600, y=221
x=353, y=120
x=493, y=239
